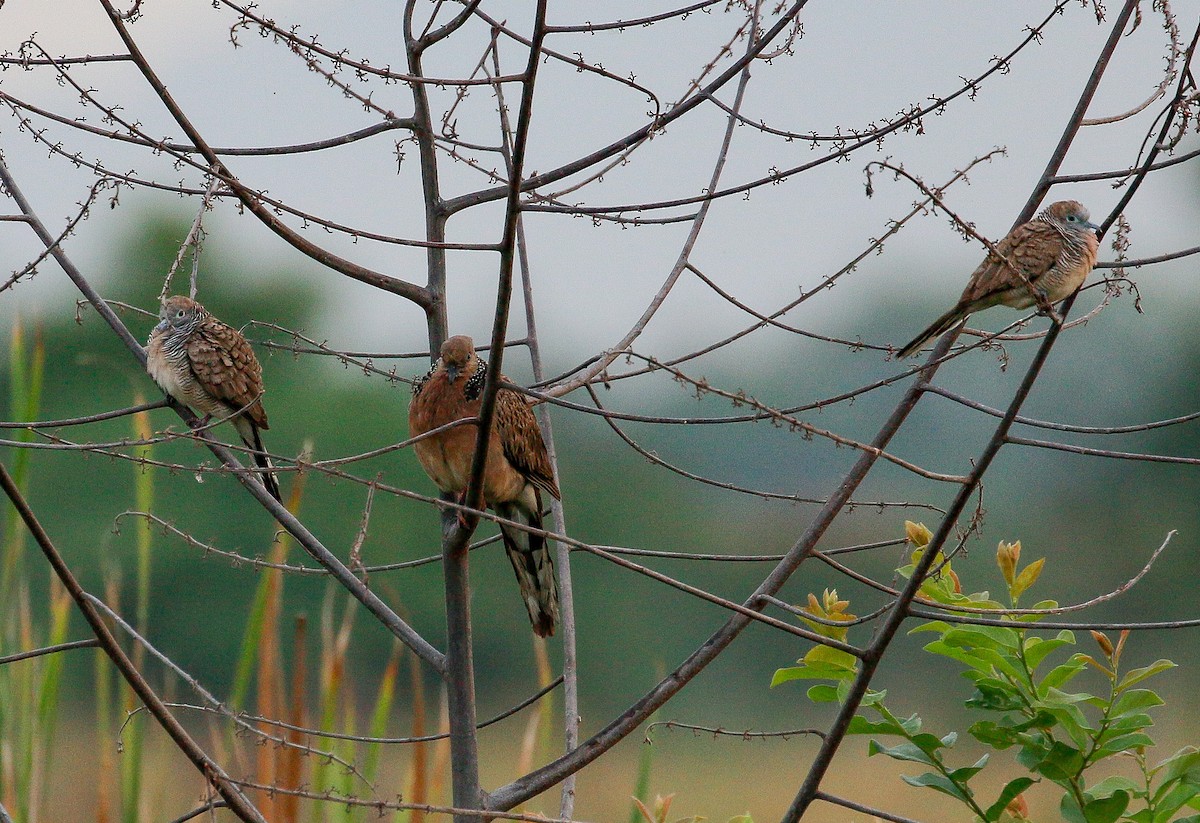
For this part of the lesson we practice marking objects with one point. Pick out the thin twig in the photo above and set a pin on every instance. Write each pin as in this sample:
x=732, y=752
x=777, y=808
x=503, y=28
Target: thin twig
x=60, y=647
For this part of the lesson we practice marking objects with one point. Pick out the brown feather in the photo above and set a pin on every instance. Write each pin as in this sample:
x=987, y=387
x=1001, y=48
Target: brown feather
x=522, y=440
x=1032, y=247
x=517, y=465
x=1049, y=257
x=226, y=368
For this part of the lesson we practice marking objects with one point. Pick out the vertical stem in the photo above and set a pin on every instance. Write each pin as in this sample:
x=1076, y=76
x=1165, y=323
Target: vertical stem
x=460, y=669
x=459, y=672
x=435, y=217
x=562, y=557
x=455, y=535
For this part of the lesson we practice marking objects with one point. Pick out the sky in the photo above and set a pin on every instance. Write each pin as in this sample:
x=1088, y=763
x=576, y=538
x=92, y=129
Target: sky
x=856, y=64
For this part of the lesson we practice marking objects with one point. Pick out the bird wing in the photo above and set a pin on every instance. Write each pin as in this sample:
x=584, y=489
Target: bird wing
x=522, y=441
x=226, y=368
x=1033, y=247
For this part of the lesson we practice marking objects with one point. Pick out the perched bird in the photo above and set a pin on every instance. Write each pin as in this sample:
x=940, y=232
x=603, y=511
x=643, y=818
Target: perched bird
x=517, y=469
x=1054, y=251
x=205, y=364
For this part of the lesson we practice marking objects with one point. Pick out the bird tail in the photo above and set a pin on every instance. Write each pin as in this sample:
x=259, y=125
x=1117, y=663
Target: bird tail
x=253, y=440
x=939, y=327
x=531, y=560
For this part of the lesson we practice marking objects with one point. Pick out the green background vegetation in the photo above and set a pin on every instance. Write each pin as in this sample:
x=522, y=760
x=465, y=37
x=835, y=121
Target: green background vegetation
x=1097, y=519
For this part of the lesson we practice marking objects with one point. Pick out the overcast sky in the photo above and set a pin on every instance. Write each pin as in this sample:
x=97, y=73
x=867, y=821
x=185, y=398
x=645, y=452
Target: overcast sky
x=856, y=64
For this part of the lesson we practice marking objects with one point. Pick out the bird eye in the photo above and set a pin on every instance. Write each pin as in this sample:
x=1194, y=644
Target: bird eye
x=1072, y=218
x=179, y=313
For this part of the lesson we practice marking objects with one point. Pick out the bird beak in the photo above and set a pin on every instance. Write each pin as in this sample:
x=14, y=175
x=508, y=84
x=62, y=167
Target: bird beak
x=452, y=373
x=162, y=325
x=1095, y=229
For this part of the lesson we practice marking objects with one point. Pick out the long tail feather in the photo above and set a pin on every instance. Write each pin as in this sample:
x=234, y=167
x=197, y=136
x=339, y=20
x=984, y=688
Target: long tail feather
x=534, y=566
x=253, y=440
x=939, y=327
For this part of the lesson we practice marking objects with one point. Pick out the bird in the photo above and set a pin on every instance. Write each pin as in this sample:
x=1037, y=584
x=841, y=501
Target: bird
x=1054, y=252
x=516, y=473
x=205, y=364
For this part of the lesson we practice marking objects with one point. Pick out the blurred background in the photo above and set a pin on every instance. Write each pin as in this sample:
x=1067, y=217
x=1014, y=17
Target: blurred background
x=856, y=66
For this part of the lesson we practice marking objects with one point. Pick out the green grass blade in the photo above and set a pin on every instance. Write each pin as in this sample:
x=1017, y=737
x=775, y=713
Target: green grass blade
x=381, y=712
x=641, y=788
x=26, y=370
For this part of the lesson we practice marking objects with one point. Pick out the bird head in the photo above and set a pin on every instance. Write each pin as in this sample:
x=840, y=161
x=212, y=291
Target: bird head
x=1070, y=215
x=178, y=313
x=458, y=356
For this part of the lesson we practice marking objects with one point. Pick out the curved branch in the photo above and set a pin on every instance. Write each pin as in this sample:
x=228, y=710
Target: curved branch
x=251, y=199
x=656, y=125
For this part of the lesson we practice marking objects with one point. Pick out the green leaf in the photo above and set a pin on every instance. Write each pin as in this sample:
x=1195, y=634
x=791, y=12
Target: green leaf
x=903, y=751
x=1070, y=811
x=940, y=626
x=984, y=637
x=821, y=656
x=1072, y=721
x=993, y=694
x=873, y=697
x=929, y=743
x=1123, y=743
x=1106, y=809
x=1127, y=723
x=1010, y=790
x=1062, y=762
x=822, y=693
x=994, y=734
x=1036, y=649
x=940, y=647
x=790, y=673
x=962, y=775
x=1116, y=783
x=1060, y=675
x=1135, y=699
x=939, y=783
x=805, y=671
x=1182, y=793
x=1184, y=763
x=1035, y=747
x=1138, y=675
x=1055, y=697
x=861, y=725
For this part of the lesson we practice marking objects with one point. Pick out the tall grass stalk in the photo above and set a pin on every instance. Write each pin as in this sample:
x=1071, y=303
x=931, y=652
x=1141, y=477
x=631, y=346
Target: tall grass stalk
x=641, y=787
x=379, y=721
x=106, y=729
x=28, y=689
x=418, y=768
x=133, y=801
x=261, y=660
